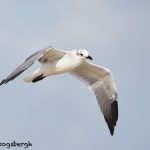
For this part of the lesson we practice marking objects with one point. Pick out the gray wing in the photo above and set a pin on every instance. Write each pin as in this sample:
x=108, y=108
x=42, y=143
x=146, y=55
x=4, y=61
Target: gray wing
x=100, y=81
x=41, y=55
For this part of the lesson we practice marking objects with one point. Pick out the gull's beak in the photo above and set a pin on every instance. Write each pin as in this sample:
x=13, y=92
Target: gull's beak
x=89, y=57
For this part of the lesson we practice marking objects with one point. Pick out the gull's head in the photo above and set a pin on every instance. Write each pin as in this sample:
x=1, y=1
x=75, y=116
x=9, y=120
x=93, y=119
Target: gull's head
x=83, y=54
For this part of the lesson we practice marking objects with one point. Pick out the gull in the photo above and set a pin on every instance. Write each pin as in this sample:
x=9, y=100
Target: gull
x=98, y=79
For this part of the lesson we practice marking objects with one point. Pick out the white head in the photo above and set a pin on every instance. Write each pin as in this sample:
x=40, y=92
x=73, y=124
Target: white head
x=84, y=54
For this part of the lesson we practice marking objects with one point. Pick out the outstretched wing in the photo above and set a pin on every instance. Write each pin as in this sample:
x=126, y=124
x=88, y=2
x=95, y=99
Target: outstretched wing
x=100, y=81
x=41, y=55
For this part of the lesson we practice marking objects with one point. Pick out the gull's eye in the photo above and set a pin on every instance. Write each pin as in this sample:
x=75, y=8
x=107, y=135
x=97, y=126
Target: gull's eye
x=81, y=54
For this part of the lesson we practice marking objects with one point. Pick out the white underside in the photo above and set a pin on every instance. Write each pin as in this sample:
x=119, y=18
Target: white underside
x=53, y=68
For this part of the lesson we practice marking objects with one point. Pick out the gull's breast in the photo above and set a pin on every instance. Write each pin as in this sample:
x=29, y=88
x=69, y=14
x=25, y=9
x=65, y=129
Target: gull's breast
x=65, y=64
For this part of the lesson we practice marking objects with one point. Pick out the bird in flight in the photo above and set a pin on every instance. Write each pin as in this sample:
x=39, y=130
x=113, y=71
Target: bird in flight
x=98, y=79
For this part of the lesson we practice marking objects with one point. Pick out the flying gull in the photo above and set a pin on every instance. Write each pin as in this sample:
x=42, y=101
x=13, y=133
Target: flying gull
x=98, y=79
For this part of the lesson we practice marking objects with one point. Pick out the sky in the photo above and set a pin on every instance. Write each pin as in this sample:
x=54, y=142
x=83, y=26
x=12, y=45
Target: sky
x=60, y=112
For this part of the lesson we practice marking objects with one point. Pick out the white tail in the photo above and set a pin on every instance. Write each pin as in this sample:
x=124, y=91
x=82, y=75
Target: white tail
x=32, y=76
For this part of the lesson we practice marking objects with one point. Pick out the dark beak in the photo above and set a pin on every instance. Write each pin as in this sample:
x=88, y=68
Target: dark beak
x=89, y=57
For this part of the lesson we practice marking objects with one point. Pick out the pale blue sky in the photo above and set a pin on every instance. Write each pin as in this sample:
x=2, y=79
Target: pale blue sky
x=60, y=112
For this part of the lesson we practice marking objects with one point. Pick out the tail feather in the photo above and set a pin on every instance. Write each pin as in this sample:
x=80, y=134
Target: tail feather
x=32, y=76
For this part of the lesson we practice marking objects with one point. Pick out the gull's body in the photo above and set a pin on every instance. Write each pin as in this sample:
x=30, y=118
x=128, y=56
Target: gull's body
x=98, y=79
x=53, y=65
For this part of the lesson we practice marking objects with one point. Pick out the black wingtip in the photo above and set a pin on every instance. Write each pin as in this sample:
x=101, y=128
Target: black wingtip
x=3, y=82
x=112, y=120
x=110, y=126
x=111, y=131
x=38, y=78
